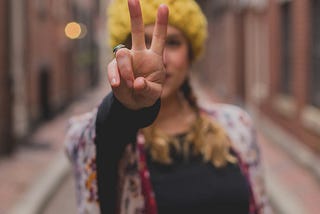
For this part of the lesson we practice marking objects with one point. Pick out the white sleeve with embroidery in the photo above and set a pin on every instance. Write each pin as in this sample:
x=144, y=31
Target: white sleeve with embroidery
x=80, y=149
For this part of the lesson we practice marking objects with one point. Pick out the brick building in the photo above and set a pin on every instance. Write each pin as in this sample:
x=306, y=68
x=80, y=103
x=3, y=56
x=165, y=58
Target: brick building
x=58, y=68
x=222, y=66
x=293, y=98
x=41, y=69
x=264, y=54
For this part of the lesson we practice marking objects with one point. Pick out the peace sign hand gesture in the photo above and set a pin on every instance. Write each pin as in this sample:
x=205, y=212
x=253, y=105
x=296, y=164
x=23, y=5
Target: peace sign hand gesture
x=137, y=75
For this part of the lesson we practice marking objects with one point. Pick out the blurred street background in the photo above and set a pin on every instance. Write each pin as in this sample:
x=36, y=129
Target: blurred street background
x=262, y=55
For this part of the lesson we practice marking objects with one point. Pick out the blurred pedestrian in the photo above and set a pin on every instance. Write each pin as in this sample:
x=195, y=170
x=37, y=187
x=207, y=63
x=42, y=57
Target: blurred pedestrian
x=149, y=147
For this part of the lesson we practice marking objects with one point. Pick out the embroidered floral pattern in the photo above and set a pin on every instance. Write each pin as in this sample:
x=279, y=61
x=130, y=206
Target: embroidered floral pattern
x=91, y=180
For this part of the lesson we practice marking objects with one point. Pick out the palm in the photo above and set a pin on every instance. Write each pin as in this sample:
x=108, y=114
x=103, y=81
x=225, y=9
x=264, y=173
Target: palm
x=147, y=64
x=140, y=70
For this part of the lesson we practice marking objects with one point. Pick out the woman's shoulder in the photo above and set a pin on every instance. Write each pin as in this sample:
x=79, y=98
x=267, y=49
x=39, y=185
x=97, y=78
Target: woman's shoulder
x=84, y=118
x=228, y=113
x=80, y=133
x=239, y=126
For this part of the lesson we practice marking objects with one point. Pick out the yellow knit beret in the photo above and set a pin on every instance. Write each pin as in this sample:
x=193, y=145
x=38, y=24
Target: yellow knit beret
x=185, y=15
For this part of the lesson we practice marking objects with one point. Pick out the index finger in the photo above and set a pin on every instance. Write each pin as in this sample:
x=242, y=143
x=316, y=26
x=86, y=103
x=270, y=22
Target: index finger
x=137, y=26
x=160, y=30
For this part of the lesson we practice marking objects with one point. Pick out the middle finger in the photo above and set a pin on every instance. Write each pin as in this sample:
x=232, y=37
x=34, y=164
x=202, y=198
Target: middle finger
x=160, y=30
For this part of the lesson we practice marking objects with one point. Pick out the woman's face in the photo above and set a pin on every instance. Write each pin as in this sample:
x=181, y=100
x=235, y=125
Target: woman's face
x=175, y=57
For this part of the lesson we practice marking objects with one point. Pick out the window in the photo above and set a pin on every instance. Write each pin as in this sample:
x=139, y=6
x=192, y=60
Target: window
x=315, y=51
x=286, y=75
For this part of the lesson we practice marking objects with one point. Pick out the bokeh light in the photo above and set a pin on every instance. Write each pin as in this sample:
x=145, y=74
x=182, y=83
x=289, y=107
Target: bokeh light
x=74, y=30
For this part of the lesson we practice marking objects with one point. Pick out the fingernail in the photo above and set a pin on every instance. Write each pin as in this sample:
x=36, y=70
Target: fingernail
x=113, y=81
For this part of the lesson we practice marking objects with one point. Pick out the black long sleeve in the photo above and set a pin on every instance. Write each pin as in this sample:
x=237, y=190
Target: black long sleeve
x=116, y=127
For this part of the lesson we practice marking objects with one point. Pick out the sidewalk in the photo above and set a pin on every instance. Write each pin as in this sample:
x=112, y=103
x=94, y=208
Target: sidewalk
x=293, y=187
x=30, y=177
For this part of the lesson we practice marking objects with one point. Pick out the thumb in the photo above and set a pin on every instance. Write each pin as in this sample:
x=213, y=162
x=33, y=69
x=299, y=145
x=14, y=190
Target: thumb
x=149, y=90
x=140, y=84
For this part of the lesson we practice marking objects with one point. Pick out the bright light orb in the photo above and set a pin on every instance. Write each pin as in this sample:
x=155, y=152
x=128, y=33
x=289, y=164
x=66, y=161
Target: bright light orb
x=73, y=30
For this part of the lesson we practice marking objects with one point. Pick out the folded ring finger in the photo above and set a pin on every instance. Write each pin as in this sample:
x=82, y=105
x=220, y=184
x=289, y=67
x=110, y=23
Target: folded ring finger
x=124, y=62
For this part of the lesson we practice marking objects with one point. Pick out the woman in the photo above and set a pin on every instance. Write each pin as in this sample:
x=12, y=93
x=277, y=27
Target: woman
x=149, y=148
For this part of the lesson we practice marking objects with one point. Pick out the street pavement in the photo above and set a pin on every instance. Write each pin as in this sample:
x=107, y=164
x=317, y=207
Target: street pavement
x=37, y=179
x=63, y=200
x=32, y=174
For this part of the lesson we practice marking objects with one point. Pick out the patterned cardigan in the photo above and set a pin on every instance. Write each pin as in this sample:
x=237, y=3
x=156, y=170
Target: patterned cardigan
x=134, y=183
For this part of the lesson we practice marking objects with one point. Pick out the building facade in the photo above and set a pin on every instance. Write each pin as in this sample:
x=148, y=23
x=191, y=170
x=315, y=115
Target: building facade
x=265, y=55
x=293, y=99
x=42, y=70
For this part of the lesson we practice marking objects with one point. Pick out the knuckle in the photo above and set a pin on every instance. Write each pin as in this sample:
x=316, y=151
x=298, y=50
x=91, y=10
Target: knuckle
x=122, y=52
x=125, y=68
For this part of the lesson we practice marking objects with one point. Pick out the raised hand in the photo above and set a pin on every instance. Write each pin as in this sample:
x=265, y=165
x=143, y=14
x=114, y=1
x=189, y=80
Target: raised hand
x=137, y=75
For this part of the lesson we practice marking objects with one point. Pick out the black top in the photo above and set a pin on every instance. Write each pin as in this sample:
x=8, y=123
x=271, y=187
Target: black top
x=187, y=186
x=190, y=186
